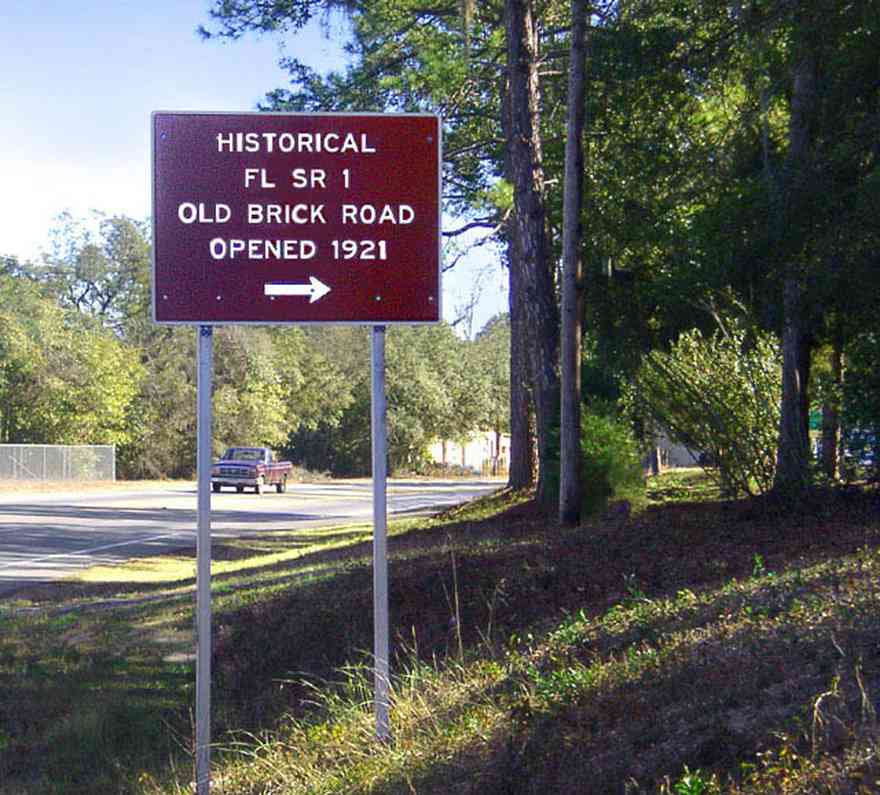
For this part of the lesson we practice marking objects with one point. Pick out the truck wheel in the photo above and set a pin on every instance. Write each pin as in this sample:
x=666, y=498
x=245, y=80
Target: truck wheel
x=259, y=487
x=281, y=485
x=215, y=487
x=239, y=489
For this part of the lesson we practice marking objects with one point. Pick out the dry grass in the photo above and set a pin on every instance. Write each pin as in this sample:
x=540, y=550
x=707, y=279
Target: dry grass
x=698, y=647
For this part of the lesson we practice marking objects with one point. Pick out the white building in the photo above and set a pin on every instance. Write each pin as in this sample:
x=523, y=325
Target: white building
x=482, y=453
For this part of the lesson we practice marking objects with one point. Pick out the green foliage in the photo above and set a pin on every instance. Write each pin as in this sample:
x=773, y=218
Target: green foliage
x=100, y=379
x=687, y=174
x=719, y=396
x=694, y=782
x=610, y=466
x=314, y=372
x=759, y=569
x=162, y=419
x=437, y=386
x=63, y=379
x=250, y=400
x=688, y=110
x=101, y=268
x=491, y=363
x=610, y=462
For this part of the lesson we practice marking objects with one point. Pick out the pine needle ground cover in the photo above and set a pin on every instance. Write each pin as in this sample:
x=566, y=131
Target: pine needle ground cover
x=698, y=646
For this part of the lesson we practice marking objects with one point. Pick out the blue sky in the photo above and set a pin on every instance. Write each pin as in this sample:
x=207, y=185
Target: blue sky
x=78, y=81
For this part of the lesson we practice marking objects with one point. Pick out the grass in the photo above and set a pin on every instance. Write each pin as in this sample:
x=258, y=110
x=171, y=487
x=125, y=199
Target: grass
x=682, y=485
x=700, y=646
x=97, y=673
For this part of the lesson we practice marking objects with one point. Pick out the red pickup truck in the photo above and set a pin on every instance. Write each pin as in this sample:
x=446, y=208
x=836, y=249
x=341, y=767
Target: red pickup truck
x=251, y=467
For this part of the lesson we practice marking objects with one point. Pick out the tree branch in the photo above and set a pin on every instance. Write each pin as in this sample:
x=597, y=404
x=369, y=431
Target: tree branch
x=482, y=223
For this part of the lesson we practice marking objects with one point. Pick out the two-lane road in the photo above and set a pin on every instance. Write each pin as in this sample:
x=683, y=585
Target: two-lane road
x=49, y=536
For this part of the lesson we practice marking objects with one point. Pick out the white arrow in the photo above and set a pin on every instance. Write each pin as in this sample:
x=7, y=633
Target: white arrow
x=315, y=289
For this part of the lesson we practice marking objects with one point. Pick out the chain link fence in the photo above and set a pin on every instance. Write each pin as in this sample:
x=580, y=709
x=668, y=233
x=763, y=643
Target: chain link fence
x=57, y=462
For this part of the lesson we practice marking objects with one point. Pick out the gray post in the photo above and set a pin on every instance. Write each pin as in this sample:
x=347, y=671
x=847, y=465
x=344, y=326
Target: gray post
x=380, y=538
x=203, y=563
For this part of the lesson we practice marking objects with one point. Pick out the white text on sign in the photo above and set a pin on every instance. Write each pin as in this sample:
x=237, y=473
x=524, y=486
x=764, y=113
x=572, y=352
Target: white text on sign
x=303, y=215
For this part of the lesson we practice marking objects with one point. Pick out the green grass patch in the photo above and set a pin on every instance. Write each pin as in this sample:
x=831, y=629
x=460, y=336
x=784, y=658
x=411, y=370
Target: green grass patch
x=698, y=646
x=671, y=694
x=98, y=671
x=682, y=485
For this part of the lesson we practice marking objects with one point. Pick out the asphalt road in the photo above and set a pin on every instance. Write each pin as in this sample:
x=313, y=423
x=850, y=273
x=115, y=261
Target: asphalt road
x=48, y=536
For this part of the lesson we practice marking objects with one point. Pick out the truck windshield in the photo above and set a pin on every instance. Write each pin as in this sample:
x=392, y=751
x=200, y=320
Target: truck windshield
x=243, y=454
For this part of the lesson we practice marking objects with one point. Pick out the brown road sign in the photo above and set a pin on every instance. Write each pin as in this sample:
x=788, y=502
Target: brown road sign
x=296, y=218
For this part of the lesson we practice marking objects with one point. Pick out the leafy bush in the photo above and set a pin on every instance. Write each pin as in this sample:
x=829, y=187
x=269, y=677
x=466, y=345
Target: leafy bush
x=610, y=462
x=719, y=396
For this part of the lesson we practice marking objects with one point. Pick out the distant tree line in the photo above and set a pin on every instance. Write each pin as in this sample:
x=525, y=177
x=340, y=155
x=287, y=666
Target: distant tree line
x=81, y=362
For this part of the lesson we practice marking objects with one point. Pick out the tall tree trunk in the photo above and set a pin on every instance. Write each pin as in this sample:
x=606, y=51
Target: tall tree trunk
x=521, y=474
x=655, y=459
x=540, y=312
x=570, y=491
x=793, y=454
x=521, y=470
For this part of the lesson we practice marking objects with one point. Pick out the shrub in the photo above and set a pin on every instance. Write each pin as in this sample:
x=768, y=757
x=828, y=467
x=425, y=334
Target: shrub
x=719, y=396
x=610, y=462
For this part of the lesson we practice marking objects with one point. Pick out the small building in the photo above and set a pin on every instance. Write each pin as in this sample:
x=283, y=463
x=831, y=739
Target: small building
x=485, y=453
x=677, y=455
x=669, y=455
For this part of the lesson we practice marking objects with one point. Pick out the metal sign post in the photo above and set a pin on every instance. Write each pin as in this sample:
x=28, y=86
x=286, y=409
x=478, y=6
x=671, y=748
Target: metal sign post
x=382, y=696
x=290, y=218
x=203, y=562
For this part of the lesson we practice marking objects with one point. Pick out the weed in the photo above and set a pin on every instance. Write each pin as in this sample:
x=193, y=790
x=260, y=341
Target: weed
x=758, y=569
x=694, y=783
x=631, y=583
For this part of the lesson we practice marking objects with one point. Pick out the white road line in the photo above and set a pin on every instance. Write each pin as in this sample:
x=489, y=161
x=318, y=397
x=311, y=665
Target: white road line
x=44, y=558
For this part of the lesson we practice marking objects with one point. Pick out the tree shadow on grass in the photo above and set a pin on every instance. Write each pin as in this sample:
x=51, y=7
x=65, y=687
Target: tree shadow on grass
x=488, y=581
x=509, y=575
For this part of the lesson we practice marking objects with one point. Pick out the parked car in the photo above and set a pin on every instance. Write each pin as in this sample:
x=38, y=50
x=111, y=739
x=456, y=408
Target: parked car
x=250, y=467
x=861, y=448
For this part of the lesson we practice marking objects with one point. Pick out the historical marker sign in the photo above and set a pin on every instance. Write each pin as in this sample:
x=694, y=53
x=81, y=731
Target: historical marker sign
x=296, y=218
